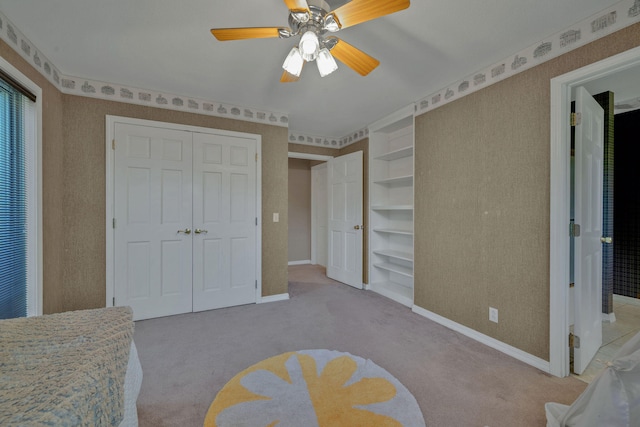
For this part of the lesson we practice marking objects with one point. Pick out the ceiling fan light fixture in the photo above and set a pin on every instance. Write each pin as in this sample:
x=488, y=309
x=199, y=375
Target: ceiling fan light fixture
x=331, y=24
x=326, y=63
x=293, y=62
x=309, y=46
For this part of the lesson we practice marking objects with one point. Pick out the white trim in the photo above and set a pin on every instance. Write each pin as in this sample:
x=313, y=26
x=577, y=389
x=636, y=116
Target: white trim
x=110, y=213
x=381, y=290
x=302, y=262
x=397, y=116
x=273, y=298
x=561, y=88
x=516, y=353
x=33, y=153
x=314, y=219
x=309, y=156
x=610, y=317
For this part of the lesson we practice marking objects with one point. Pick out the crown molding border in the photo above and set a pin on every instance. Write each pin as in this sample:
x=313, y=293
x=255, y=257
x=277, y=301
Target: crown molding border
x=617, y=17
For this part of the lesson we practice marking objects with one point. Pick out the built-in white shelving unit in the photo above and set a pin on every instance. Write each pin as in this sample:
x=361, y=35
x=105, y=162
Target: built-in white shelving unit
x=391, y=149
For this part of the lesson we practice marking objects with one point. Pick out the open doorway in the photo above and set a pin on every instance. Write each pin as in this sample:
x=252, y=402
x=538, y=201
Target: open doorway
x=562, y=88
x=307, y=196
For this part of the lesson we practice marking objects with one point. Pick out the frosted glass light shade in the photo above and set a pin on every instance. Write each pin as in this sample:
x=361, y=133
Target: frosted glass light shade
x=309, y=46
x=326, y=63
x=293, y=62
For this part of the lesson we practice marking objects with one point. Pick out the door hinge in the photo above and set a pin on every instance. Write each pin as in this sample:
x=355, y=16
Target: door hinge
x=113, y=223
x=256, y=220
x=256, y=284
x=256, y=157
x=574, y=341
x=574, y=229
x=576, y=119
x=113, y=144
x=114, y=301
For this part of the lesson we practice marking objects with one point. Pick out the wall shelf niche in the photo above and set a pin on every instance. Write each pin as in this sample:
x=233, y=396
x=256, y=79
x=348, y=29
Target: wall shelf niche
x=391, y=173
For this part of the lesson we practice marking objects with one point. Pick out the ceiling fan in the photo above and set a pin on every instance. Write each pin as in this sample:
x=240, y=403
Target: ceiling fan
x=313, y=19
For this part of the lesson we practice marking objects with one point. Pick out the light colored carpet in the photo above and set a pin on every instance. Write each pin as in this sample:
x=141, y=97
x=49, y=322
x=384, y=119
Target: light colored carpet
x=314, y=388
x=187, y=359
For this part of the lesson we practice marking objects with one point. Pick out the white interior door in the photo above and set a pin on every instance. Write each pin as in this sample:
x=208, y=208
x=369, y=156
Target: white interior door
x=319, y=214
x=588, y=215
x=152, y=241
x=344, y=239
x=224, y=221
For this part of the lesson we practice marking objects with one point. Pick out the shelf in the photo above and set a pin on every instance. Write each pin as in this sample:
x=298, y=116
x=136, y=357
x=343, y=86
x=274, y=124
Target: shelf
x=392, y=208
x=408, y=180
x=393, y=231
x=395, y=268
x=396, y=154
x=404, y=256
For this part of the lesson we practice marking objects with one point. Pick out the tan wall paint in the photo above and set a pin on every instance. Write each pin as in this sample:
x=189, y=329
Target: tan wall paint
x=84, y=194
x=482, y=202
x=299, y=210
x=52, y=188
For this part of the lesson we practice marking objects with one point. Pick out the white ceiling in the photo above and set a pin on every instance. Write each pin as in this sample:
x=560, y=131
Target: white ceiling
x=165, y=45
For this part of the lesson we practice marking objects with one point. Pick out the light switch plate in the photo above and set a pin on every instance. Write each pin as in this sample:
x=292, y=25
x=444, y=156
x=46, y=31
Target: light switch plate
x=276, y=217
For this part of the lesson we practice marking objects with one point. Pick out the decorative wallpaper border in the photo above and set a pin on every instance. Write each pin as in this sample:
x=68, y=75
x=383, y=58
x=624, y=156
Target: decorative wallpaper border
x=113, y=92
x=623, y=14
x=298, y=138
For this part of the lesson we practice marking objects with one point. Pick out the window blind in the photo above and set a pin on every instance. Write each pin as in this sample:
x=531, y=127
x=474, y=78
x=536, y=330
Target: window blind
x=13, y=211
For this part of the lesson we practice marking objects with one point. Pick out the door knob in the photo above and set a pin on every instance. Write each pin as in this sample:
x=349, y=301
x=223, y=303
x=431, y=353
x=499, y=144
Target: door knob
x=185, y=231
x=198, y=231
x=607, y=240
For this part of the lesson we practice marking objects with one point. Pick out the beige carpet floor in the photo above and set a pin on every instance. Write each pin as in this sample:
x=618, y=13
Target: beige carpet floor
x=457, y=381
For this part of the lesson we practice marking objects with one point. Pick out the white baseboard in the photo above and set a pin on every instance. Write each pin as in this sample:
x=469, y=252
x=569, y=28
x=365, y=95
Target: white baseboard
x=303, y=262
x=611, y=317
x=274, y=298
x=516, y=353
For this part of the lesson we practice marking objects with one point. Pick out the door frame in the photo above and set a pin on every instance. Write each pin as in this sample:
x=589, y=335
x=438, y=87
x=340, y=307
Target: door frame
x=560, y=153
x=314, y=212
x=321, y=158
x=110, y=192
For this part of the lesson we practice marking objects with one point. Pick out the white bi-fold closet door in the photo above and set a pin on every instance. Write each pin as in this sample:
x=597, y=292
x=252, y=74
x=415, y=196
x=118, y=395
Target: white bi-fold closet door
x=185, y=213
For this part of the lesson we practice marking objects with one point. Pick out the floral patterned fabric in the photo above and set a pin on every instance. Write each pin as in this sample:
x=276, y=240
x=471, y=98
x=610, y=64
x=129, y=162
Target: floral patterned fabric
x=65, y=369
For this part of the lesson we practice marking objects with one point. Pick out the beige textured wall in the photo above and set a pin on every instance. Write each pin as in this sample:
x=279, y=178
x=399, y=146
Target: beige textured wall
x=299, y=210
x=52, y=188
x=482, y=202
x=84, y=194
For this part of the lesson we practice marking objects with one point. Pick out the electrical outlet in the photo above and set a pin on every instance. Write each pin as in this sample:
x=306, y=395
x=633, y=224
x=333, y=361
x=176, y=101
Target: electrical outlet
x=276, y=217
x=493, y=314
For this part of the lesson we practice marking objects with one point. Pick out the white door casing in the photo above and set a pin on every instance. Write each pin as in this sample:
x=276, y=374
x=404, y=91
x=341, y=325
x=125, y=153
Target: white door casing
x=344, y=240
x=225, y=220
x=152, y=258
x=588, y=215
x=319, y=214
x=155, y=294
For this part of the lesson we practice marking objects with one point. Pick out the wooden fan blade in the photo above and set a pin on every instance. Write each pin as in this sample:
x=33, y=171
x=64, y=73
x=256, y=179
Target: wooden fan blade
x=297, y=5
x=225, y=34
x=357, y=11
x=354, y=58
x=288, y=78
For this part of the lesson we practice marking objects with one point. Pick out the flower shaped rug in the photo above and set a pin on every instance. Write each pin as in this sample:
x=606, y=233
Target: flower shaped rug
x=314, y=388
